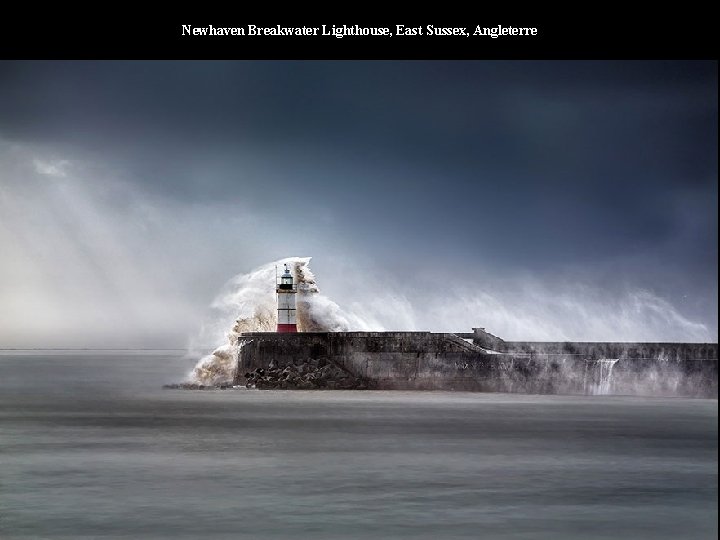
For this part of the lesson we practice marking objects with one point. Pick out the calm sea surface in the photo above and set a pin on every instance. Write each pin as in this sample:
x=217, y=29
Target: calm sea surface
x=92, y=447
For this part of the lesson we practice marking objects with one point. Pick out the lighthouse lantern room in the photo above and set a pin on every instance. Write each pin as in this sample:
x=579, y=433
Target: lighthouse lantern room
x=286, y=291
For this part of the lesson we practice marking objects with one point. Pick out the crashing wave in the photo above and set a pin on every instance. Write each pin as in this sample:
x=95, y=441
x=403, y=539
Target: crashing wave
x=252, y=297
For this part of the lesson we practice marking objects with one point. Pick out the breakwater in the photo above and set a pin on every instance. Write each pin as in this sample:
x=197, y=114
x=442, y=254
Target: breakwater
x=446, y=361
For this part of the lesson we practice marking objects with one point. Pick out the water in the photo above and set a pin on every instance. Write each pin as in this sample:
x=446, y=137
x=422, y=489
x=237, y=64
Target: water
x=91, y=447
x=252, y=295
x=603, y=385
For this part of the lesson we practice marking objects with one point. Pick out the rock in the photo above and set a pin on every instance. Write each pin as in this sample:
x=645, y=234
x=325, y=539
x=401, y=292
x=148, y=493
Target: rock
x=302, y=374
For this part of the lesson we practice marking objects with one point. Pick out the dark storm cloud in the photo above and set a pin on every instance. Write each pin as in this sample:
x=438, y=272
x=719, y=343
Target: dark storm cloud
x=537, y=166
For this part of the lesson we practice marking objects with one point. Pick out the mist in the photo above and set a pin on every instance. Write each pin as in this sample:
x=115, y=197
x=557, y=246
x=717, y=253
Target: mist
x=548, y=201
x=92, y=261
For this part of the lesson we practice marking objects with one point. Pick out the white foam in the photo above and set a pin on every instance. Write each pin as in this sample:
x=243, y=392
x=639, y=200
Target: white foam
x=248, y=304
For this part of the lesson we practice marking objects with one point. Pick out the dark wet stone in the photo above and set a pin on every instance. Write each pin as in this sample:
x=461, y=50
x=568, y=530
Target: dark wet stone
x=304, y=374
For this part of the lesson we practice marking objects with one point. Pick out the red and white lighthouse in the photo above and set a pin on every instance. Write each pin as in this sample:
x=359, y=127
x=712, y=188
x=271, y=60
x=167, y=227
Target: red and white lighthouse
x=286, y=291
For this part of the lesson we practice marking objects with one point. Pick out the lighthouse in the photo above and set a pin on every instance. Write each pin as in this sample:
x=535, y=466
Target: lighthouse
x=286, y=291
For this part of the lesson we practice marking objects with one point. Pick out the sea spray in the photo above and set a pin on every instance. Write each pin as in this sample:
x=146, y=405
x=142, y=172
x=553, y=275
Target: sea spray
x=599, y=376
x=248, y=304
x=250, y=300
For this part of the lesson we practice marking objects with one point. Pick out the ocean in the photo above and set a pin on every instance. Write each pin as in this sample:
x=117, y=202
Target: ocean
x=91, y=446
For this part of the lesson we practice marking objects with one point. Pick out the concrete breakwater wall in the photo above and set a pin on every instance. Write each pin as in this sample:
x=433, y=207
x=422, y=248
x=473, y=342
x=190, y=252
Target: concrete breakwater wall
x=443, y=361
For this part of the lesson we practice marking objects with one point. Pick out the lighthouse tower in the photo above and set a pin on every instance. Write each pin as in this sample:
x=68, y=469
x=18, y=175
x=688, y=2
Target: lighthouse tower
x=286, y=303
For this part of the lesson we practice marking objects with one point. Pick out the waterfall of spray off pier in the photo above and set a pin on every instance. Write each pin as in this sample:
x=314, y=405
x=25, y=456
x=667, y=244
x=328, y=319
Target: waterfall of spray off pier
x=250, y=300
x=602, y=385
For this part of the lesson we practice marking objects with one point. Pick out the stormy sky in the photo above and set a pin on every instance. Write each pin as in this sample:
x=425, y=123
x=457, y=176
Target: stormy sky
x=541, y=200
